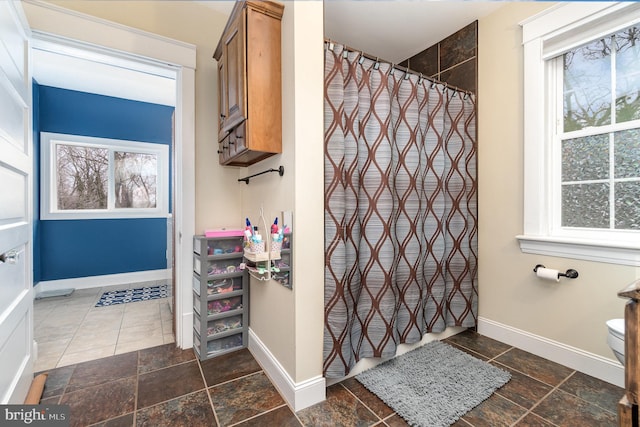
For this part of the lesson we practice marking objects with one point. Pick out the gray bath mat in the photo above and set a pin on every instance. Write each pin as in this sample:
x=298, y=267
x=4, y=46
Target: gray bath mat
x=433, y=385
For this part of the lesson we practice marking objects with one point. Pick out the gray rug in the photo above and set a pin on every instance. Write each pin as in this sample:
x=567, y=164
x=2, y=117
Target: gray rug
x=433, y=385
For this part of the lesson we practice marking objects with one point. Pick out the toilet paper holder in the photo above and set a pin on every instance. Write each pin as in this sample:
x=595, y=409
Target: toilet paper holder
x=570, y=273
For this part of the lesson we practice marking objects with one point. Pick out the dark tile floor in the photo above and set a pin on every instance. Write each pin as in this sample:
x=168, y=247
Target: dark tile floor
x=165, y=386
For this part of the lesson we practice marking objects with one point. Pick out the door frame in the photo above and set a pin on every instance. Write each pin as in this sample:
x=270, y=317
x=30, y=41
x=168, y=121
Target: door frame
x=55, y=23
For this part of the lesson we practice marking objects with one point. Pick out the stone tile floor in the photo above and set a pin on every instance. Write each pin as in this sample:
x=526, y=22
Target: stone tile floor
x=71, y=329
x=165, y=386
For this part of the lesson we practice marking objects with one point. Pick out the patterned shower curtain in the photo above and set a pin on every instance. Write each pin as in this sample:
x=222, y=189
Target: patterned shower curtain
x=400, y=209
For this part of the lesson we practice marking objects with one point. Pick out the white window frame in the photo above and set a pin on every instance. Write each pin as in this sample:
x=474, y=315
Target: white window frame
x=48, y=190
x=546, y=36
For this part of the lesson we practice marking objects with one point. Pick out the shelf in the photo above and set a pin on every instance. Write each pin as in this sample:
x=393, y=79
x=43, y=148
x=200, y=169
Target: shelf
x=261, y=256
x=220, y=296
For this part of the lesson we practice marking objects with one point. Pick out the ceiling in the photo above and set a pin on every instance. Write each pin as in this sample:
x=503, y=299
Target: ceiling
x=391, y=30
x=397, y=30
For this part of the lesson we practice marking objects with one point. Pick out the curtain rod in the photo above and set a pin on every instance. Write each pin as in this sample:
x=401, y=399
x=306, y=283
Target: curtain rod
x=399, y=67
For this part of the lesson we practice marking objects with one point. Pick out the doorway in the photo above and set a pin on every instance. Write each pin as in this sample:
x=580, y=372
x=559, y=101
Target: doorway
x=147, y=53
x=102, y=219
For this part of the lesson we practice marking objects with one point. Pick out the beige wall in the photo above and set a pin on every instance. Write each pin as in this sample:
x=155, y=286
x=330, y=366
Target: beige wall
x=218, y=193
x=572, y=312
x=289, y=323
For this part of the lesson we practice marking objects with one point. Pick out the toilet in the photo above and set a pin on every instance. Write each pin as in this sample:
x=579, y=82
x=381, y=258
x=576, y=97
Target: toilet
x=615, y=338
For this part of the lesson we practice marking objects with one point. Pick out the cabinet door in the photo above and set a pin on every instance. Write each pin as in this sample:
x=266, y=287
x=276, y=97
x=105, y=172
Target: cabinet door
x=223, y=106
x=234, y=48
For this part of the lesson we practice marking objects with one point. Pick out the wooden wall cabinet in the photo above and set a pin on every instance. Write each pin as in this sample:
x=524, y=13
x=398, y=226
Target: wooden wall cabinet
x=250, y=84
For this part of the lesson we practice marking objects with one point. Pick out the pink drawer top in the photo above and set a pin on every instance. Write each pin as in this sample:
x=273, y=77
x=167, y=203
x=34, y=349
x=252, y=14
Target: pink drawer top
x=224, y=232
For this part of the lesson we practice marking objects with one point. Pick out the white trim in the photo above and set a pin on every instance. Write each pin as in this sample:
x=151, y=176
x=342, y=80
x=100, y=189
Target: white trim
x=104, y=280
x=298, y=395
x=122, y=41
x=106, y=35
x=608, y=370
x=550, y=33
x=48, y=179
x=576, y=249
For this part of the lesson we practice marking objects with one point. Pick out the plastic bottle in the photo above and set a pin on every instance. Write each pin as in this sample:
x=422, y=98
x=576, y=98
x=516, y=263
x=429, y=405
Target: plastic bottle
x=274, y=226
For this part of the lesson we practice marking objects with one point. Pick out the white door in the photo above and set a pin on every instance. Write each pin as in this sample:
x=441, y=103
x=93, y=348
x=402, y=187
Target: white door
x=16, y=292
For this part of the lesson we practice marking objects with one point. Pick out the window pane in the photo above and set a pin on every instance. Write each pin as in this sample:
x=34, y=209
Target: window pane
x=628, y=205
x=81, y=177
x=585, y=205
x=585, y=158
x=136, y=176
x=627, y=74
x=627, y=154
x=587, y=86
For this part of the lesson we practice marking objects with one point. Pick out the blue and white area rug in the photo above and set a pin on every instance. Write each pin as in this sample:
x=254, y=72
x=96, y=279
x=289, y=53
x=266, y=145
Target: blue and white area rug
x=124, y=296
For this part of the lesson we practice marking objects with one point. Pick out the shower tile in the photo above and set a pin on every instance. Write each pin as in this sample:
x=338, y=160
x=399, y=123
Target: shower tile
x=244, y=398
x=522, y=389
x=594, y=391
x=495, y=411
x=536, y=367
x=462, y=75
x=340, y=408
x=564, y=409
x=190, y=410
x=480, y=344
x=228, y=367
x=372, y=401
x=425, y=62
x=281, y=417
x=458, y=47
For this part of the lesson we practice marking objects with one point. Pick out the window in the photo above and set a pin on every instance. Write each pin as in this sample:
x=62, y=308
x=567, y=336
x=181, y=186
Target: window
x=582, y=132
x=86, y=177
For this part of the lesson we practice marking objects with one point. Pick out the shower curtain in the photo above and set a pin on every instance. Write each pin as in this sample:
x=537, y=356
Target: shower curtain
x=400, y=209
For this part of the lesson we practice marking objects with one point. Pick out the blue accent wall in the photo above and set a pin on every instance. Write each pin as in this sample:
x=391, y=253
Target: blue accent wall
x=65, y=249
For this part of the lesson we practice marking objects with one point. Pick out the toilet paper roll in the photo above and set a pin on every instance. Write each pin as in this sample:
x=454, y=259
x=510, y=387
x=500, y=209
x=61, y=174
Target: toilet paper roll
x=547, y=274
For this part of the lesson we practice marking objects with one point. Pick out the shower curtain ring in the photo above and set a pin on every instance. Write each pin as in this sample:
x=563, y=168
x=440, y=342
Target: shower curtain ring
x=377, y=64
x=420, y=79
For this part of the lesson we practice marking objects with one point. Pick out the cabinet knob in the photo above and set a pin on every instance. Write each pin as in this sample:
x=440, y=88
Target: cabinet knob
x=231, y=142
x=222, y=116
x=219, y=152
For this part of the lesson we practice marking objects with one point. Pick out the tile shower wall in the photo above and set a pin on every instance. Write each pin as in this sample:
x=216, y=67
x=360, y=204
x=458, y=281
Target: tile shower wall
x=452, y=60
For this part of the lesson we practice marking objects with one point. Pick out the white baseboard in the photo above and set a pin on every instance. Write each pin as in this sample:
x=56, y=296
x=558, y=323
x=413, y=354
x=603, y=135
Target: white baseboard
x=298, y=395
x=608, y=370
x=104, y=280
